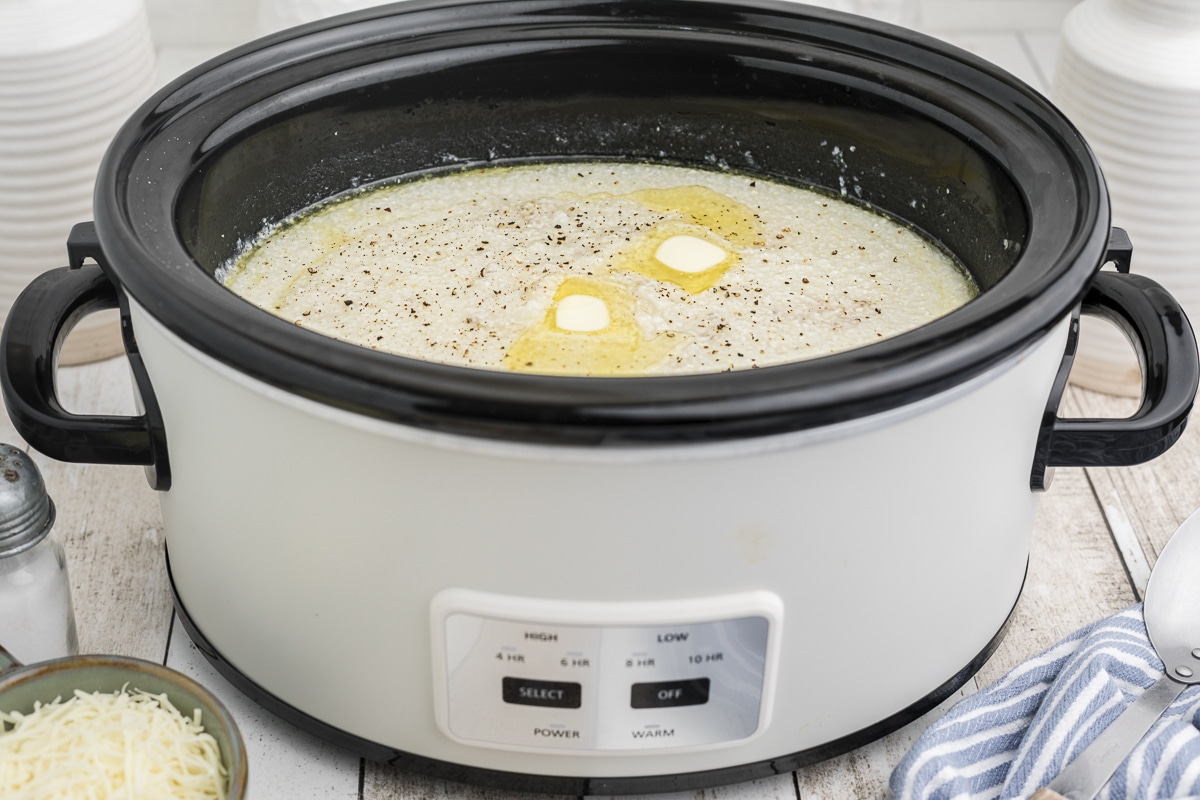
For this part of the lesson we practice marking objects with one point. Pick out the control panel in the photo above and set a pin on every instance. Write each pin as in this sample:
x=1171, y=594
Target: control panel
x=548, y=675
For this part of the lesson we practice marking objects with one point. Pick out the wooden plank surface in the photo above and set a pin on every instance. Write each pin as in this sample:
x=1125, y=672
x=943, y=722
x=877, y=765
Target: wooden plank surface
x=1153, y=498
x=109, y=522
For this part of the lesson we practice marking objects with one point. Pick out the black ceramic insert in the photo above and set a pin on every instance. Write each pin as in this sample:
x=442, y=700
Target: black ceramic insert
x=889, y=118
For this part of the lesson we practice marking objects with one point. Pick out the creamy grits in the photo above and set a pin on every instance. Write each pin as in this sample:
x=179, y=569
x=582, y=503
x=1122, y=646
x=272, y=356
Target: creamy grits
x=599, y=269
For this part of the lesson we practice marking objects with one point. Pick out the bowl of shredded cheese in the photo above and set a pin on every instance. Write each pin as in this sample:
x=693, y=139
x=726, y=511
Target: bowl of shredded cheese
x=104, y=726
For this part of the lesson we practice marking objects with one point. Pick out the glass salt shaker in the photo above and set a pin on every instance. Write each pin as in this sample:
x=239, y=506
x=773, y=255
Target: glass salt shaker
x=37, y=620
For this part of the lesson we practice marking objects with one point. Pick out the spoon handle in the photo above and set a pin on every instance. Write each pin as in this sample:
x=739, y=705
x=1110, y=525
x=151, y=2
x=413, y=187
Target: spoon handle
x=1086, y=775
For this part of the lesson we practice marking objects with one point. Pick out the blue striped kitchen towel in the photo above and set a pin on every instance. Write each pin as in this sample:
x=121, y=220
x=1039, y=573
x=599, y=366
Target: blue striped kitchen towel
x=1012, y=738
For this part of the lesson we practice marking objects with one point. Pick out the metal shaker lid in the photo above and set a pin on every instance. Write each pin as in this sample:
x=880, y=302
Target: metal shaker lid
x=26, y=511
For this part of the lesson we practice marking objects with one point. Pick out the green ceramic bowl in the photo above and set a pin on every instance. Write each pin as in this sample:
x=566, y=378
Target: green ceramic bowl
x=22, y=686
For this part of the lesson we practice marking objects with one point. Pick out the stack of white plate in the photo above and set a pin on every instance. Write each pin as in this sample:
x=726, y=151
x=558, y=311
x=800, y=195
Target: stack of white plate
x=897, y=12
x=1128, y=76
x=71, y=71
x=275, y=15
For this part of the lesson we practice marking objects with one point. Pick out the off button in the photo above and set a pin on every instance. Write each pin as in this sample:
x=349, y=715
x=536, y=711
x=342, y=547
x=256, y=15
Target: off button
x=668, y=694
x=548, y=694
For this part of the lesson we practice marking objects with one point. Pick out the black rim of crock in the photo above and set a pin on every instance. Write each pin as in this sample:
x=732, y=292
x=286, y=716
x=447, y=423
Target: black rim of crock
x=145, y=256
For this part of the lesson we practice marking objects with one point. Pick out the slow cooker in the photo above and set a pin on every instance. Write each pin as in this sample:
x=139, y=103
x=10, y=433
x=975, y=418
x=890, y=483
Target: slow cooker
x=598, y=585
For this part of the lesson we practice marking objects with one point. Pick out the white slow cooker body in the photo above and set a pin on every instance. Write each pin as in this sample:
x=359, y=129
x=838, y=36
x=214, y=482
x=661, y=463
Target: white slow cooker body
x=307, y=544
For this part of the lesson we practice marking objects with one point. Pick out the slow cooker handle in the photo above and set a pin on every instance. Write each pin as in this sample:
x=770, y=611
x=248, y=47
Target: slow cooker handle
x=37, y=324
x=1160, y=332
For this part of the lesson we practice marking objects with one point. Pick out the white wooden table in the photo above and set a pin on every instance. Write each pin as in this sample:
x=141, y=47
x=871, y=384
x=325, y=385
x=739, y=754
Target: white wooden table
x=1097, y=533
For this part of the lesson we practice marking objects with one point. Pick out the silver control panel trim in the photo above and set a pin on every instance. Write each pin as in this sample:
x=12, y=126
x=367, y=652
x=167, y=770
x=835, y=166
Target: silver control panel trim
x=549, y=676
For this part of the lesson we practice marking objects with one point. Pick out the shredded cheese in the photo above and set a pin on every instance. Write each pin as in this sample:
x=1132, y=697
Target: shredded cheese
x=129, y=745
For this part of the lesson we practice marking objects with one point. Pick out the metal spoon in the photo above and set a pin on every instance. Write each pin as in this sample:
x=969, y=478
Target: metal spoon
x=1172, y=612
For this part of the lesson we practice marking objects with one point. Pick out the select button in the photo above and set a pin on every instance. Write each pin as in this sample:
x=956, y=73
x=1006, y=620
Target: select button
x=550, y=694
x=667, y=694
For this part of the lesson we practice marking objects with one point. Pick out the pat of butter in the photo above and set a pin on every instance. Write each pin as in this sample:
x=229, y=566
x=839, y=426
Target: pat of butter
x=689, y=254
x=581, y=313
